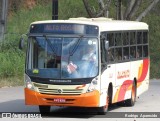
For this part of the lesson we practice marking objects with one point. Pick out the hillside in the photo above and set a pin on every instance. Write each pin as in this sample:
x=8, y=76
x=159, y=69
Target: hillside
x=12, y=59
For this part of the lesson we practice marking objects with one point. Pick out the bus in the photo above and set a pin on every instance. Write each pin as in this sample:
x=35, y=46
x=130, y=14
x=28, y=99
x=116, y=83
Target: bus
x=86, y=62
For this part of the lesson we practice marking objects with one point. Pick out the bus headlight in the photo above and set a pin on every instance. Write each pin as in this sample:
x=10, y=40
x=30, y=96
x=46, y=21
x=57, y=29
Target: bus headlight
x=28, y=83
x=93, y=85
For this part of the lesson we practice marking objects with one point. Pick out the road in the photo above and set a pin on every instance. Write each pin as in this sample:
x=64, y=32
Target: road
x=12, y=100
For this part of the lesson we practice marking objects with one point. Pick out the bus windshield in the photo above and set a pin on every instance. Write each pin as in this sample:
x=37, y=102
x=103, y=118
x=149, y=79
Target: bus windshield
x=62, y=57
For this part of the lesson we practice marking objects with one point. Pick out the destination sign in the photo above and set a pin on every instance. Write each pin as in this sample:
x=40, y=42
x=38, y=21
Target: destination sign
x=60, y=27
x=64, y=28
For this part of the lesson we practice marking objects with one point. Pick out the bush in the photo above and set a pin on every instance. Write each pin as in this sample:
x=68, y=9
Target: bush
x=11, y=58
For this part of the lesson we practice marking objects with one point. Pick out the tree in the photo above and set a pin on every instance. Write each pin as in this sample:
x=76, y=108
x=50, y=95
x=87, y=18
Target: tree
x=3, y=17
x=103, y=11
x=125, y=9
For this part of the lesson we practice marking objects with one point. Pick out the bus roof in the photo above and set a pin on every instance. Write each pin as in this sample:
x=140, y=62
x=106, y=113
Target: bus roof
x=104, y=24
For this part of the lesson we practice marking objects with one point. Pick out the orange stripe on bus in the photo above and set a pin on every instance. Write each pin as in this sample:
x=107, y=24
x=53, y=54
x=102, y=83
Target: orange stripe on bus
x=81, y=86
x=143, y=71
x=140, y=71
x=116, y=96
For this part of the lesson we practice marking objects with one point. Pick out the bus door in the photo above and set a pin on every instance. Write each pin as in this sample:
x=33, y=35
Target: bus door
x=107, y=77
x=108, y=72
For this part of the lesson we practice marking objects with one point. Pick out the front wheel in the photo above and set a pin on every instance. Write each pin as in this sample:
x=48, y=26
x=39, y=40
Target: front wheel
x=44, y=109
x=132, y=100
x=103, y=110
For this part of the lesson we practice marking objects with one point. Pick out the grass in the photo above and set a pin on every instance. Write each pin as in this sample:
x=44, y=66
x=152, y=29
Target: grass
x=11, y=82
x=153, y=20
x=20, y=21
x=12, y=59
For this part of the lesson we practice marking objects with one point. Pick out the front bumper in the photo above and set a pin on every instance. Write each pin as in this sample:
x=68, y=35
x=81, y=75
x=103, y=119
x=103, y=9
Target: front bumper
x=90, y=99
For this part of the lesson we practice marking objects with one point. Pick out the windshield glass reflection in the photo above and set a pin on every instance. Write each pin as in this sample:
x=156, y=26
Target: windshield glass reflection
x=63, y=58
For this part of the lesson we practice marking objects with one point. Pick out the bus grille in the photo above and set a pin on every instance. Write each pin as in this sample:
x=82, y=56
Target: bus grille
x=57, y=89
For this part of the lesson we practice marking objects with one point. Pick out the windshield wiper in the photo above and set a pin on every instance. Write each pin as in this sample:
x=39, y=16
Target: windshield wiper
x=50, y=45
x=76, y=46
x=52, y=48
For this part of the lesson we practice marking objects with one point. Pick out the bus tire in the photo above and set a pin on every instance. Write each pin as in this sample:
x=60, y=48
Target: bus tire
x=132, y=100
x=44, y=109
x=104, y=109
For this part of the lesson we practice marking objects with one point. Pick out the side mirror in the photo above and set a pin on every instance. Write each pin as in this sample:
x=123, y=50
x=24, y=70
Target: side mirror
x=22, y=41
x=106, y=45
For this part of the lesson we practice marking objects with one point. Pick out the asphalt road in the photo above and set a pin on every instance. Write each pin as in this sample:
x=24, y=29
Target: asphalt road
x=12, y=100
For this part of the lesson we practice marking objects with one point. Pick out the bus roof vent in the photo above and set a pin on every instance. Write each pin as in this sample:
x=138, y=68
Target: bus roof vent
x=102, y=19
x=91, y=19
x=80, y=19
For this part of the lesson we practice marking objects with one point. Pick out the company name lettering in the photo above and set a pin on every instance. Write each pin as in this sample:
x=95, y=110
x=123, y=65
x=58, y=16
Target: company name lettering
x=60, y=80
x=123, y=74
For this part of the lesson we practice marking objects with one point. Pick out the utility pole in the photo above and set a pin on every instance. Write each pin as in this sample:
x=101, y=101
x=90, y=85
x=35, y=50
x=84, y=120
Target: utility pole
x=55, y=10
x=118, y=4
x=3, y=17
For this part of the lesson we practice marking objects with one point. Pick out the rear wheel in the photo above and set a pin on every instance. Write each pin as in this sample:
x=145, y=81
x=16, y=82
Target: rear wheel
x=132, y=100
x=44, y=109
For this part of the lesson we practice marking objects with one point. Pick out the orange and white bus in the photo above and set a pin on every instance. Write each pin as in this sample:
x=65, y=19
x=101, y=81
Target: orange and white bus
x=60, y=72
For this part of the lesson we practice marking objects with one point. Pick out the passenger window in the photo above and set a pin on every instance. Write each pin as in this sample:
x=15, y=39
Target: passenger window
x=125, y=53
x=110, y=38
x=118, y=54
x=132, y=38
x=145, y=37
x=118, y=40
x=139, y=52
x=145, y=51
x=139, y=37
x=103, y=50
x=125, y=38
x=111, y=55
x=132, y=52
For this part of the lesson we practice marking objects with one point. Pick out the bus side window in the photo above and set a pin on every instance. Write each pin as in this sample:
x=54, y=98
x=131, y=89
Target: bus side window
x=118, y=54
x=110, y=38
x=125, y=53
x=145, y=37
x=111, y=55
x=125, y=38
x=103, y=50
x=118, y=39
x=145, y=51
x=139, y=52
x=139, y=37
x=133, y=52
x=132, y=38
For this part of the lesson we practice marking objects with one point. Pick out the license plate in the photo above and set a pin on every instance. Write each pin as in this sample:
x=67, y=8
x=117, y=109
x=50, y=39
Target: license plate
x=57, y=100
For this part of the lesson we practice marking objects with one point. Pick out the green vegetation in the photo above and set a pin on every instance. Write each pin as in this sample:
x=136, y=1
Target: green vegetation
x=13, y=60
x=153, y=20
